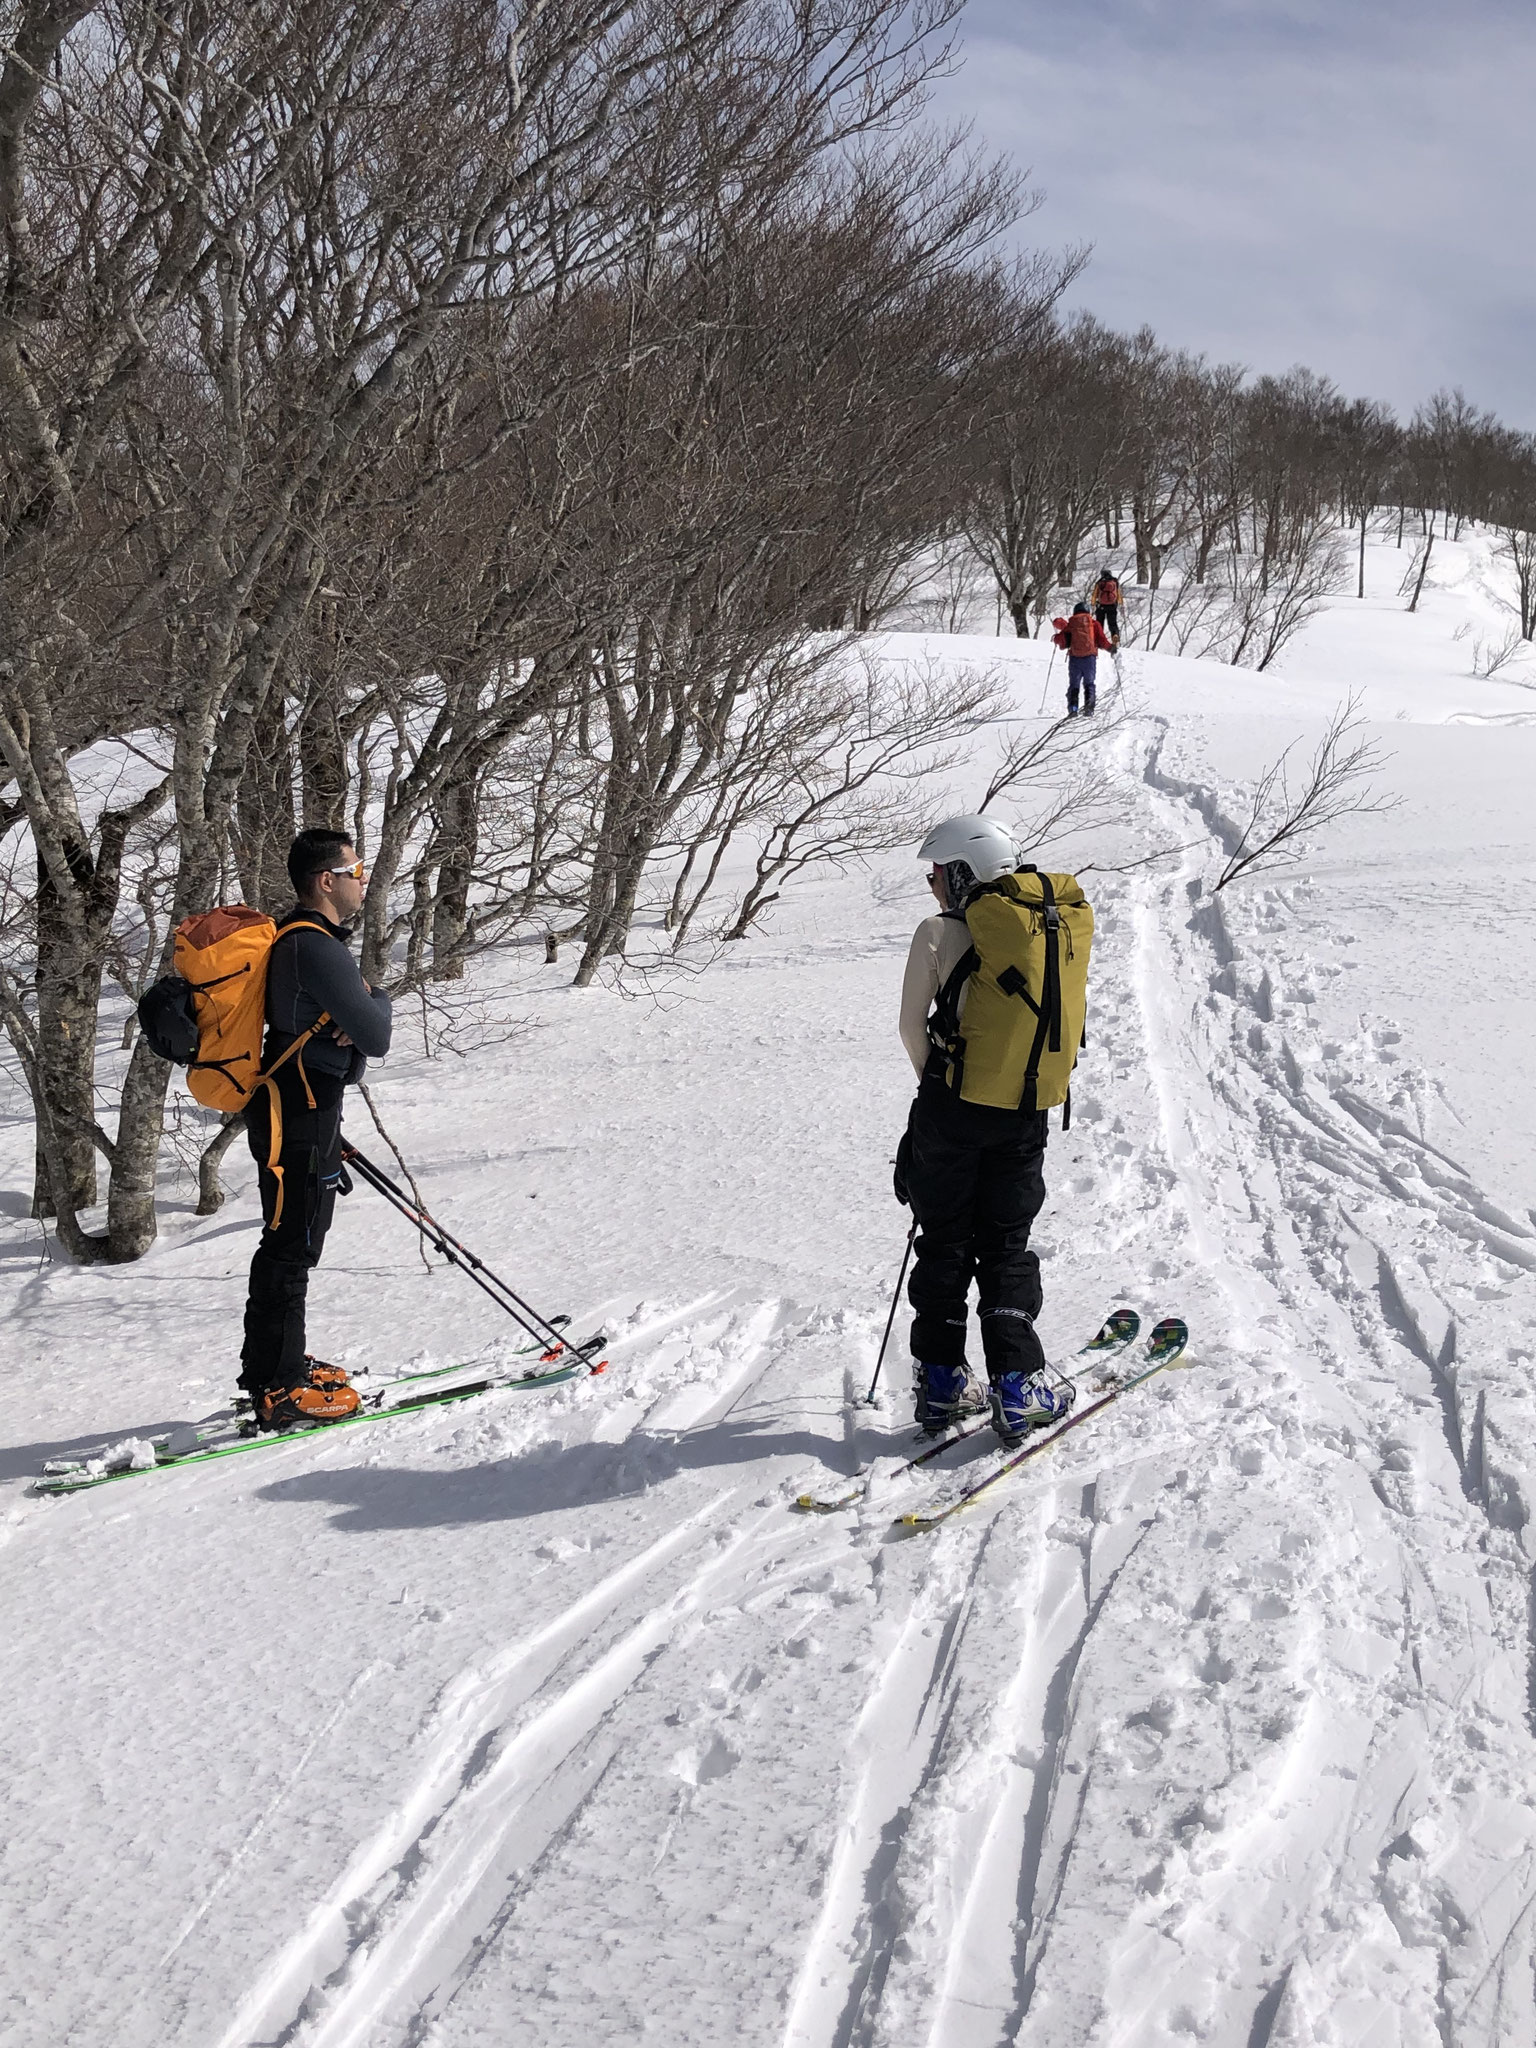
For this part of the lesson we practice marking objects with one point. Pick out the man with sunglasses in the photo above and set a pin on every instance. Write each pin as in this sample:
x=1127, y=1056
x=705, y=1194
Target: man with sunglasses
x=296, y=1137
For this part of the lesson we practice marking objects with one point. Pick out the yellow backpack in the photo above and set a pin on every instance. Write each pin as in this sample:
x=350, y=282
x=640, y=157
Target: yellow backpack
x=1025, y=979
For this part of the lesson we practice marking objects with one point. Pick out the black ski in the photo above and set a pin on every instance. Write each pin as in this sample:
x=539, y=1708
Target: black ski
x=1120, y=1330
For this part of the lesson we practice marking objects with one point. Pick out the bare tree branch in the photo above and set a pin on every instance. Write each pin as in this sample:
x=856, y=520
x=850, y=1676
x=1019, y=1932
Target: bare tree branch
x=1335, y=784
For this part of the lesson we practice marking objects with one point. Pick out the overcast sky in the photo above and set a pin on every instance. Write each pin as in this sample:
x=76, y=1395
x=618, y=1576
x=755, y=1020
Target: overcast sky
x=1342, y=183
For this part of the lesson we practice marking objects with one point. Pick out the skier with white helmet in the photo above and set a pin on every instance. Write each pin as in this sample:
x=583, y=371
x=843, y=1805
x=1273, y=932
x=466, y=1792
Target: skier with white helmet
x=972, y=1169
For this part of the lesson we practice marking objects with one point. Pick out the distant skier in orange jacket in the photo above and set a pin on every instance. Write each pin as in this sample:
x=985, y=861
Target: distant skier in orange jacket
x=1084, y=639
x=1106, y=605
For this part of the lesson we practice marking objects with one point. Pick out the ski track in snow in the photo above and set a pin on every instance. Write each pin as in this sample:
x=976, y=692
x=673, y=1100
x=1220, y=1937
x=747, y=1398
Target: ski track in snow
x=1303, y=1859
x=1218, y=1725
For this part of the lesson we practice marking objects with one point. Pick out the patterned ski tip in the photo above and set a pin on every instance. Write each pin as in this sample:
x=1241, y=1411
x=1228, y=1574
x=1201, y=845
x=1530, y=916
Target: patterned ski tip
x=1167, y=1341
x=1121, y=1328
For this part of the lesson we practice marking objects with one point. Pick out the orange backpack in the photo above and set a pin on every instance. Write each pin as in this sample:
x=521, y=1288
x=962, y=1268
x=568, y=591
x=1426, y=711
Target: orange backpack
x=222, y=957
x=209, y=1016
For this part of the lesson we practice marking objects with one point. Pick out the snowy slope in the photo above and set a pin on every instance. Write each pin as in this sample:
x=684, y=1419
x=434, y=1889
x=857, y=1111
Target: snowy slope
x=545, y=1720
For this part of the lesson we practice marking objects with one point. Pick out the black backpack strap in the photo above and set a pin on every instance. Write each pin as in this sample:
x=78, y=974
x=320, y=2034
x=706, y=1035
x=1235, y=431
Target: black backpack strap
x=944, y=1020
x=1048, y=1029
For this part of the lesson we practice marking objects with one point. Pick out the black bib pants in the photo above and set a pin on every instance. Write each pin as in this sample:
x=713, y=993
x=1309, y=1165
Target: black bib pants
x=293, y=1237
x=975, y=1179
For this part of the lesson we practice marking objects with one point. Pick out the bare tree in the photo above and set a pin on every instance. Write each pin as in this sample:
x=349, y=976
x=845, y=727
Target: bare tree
x=238, y=243
x=1517, y=547
x=1273, y=597
x=1490, y=657
x=1039, y=752
x=859, y=791
x=1511, y=506
x=1335, y=784
x=1417, y=570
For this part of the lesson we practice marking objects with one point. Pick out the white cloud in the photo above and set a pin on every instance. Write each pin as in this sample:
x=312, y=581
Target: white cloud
x=1346, y=186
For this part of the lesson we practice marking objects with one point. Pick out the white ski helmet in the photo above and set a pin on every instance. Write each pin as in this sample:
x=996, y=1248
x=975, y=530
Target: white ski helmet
x=985, y=846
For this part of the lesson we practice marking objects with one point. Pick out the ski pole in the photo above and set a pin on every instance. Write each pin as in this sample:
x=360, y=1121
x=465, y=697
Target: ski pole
x=505, y=1297
x=869, y=1399
x=1045, y=693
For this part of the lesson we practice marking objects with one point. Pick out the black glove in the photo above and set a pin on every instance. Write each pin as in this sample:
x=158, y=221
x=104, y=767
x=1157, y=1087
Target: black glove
x=903, y=1163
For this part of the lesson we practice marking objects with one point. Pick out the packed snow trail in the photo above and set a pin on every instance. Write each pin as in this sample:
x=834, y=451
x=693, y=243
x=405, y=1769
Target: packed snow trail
x=549, y=1721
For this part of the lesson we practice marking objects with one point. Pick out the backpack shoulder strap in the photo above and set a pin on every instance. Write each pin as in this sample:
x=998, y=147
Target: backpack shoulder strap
x=944, y=1022
x=1048, y=1028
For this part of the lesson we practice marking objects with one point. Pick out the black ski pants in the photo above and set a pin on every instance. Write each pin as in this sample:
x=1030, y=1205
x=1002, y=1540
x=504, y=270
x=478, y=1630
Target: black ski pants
x=975, y=1179
x=1108, y=616
x=293, y=1236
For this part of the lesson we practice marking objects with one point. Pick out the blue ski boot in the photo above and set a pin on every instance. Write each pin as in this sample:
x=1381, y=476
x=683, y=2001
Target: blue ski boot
x=946, y=1396
x=1022, y=1402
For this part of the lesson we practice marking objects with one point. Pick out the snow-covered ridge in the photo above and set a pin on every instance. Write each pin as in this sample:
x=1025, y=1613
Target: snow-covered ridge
x=545, y=1720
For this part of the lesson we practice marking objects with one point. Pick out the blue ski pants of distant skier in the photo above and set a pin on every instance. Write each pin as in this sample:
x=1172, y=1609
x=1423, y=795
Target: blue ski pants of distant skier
x=975, y=1178
x=1082, y=673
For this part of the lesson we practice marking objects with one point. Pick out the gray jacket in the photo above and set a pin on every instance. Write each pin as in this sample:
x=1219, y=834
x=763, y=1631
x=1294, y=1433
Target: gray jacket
x=313, y=973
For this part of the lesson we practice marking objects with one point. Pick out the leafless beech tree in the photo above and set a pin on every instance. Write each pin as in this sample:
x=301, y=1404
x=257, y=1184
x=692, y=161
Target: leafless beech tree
x=1335, y=784
x=234, y=242
x=1044, y=452
x=857, y=792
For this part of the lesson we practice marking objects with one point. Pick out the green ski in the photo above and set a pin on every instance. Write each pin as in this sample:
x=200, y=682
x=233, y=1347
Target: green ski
x=77, y=1475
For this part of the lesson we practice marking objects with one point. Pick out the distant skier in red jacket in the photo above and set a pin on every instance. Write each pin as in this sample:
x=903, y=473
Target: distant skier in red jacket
x=1084, y=640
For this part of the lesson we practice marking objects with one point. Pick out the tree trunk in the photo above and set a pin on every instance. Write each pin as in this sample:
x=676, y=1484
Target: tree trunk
x=68, y=997
x=608, y=931
x=210, y=1196
x=131, y=1191
x=1141, y=539
x=323, y=766
x=266, y=818
x=421, y=916
x=393, y=834
x=458, y=830
x=1413, y=602
x=1363, y=516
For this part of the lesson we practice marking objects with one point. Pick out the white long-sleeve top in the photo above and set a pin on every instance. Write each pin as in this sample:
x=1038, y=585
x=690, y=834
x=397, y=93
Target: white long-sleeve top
x=938, y=945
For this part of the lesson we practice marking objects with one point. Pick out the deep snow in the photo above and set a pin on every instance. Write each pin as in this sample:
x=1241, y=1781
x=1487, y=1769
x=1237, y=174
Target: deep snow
x=545, y=1720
